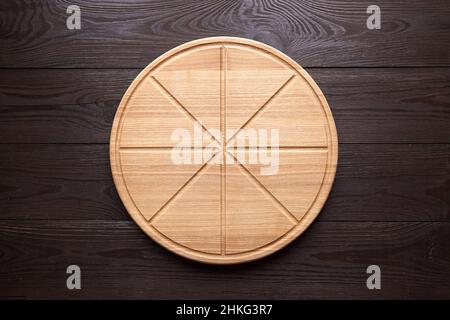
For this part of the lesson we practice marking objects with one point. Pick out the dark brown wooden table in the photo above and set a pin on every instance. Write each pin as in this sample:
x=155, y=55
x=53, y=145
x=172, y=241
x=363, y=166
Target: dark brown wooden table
x=389, y=91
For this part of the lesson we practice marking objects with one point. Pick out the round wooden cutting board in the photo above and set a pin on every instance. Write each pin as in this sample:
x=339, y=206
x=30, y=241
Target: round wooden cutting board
x=223, y=150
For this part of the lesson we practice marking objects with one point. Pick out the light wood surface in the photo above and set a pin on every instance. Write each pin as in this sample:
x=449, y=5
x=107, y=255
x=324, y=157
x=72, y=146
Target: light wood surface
x=223, y=209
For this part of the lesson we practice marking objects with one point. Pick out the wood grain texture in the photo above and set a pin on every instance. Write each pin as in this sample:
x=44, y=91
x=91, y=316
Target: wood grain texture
x=373, y=183
x=314, y=33
x=369, y=105
x=223, y=209
x=328, y=261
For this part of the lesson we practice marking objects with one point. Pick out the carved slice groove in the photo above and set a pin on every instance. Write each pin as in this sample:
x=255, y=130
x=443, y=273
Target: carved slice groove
x=183, y=108
x=195, y=176
x=258, y=183
x=246, y=124
x=223, y=167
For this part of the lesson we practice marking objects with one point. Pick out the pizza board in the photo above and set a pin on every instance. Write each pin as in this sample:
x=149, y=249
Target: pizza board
x=223, y=150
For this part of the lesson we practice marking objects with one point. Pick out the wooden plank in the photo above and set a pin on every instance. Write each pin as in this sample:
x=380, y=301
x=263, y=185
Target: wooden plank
x=118, y=260
x=373, y=183
x=57, y=182
x=61, y=106
x=388, y=105
x=133, y=33
x=408, y=105
x=376, y=183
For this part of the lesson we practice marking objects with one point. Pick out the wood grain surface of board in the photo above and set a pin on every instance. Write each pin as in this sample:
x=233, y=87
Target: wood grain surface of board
x=388, y=90
x=256, y=158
